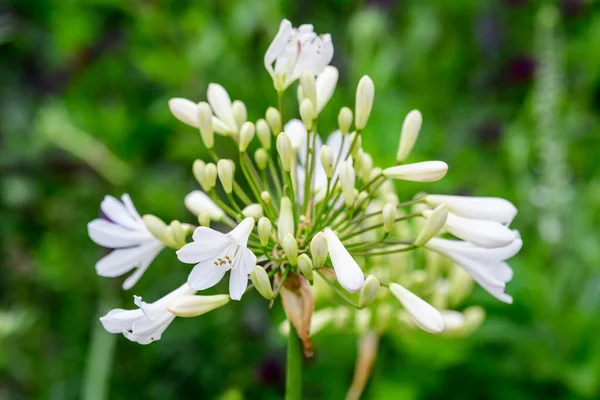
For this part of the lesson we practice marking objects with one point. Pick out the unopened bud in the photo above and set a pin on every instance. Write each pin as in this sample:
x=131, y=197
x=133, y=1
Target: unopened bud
x=365, y=93
x=327, y=160
x=290, y=247
x=225, y=172
x=205, y=124
x=367, y=166
x=368, y=293
x=240, y=114
x=253, y=210
x=362, y=199
x=264, y=230
x=209, y=179
x=388, y=215
x=345, y=120
x=347, y=180
x=177, y=234
x=305, y=266
x=246, y=136
x=264, y=134
x=318, y=250
x=285, y=224
x=198, y=170
x=286, y=153
x=261, y=282
x=357, y=147
x=265, y=196
x=204, y=219
x=408, y=136
x=158, y=229
x=261, y=158
x=435, y=223
x=426, y=171
x=309, y=87
x=195, y=305
x=274, y=119
x=307, y=113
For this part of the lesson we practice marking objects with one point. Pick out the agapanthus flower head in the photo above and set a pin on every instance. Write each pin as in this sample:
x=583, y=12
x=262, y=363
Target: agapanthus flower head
x=310, y=216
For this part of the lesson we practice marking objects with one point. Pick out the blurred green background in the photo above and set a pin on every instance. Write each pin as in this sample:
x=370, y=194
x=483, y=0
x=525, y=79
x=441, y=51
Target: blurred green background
x=510, y=94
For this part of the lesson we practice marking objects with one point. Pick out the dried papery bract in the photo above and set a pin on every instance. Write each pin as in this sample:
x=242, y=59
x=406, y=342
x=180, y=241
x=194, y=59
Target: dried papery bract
x=298, y=303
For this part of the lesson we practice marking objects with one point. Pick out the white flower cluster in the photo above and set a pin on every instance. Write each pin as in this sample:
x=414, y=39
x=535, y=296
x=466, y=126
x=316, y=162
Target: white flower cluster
x=304, y=210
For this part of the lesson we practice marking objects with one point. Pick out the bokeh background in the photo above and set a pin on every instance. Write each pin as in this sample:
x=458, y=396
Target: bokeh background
x=510, y=93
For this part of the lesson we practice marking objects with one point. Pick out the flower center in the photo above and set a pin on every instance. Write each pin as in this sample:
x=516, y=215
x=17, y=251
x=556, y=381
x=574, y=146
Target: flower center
x=230, y=257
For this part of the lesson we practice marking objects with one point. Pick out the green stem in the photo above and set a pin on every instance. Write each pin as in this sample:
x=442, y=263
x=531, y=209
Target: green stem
x=293, y=375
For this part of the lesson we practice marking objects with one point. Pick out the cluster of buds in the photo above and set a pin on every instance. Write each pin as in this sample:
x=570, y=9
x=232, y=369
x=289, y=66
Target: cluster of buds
x=305, y=212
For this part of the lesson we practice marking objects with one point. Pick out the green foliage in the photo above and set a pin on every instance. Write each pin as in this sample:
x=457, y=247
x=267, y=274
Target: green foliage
x=509, y=91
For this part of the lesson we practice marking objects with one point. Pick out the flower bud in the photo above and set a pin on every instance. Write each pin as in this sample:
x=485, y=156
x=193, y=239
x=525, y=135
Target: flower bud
x=319, y=250
x=198, y=170
x=246, y=136
x=210, y=177
x=367, y=166
x=327, y=160
x=265, y=196
x=408, y=136
x=261, y=282
x=423, y=314
x=205, y=124
x=307, y=113
x=388, y=215
x=177, y=234
x=426, y=171
x=365, y=93
x=274, y=119
x=253, y=210
x=368, y=291
x=286, y=219
x=261, y=158
x=305, y=266
x=204, y=219
x=290, y=247
x=357, y=148
x=434, y=224
x=362, y=199
x=264, y=133
x=198, y=202
x=158, y=229
x=286, y=153
x=225, y=172
x=195, y=305
x=240, y=114
x=309, y=87
x=347, y=180
x=345, y=120
x=264, y=230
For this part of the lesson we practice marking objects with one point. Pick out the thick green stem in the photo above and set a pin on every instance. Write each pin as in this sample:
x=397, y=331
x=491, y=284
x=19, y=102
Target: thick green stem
x=293, y=375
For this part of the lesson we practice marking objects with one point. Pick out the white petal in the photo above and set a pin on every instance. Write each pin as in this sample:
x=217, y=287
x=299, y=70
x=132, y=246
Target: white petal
x=205, y=275
x=278, y=44
x=348, y=273
x=120, y=261
x=185, y=111
x=146, y=330
x=490, y=208
x=242, y=232
x=296, y=131
x=202, y=249
x=220, y=127
x=221, y=104
x=111, y=235
x=238, y=281
x=425, y=315
x=119, y=320
x=427, y=171
x=489, y=234
x=326, y=82
x=142, y=267
x=117, y=213
x=491, y=256
x=197, y=202
x=207, y=235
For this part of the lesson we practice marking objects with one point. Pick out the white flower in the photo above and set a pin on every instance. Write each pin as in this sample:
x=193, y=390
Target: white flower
x=326, y=82
x=198, y=202
x=215, y=253
x=488, y=208
x=147, y=323
x=125, y=231
x=185, y=111
x=220, y=102
x=426, y=171
x=485, y=265
x=424, y=314
x=295, y=50
x=348, y=273
x=479, y=232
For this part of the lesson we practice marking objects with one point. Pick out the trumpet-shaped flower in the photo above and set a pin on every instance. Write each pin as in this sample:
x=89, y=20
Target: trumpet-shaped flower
x=215, y=253
x=348, y=273
x=147, y=323
x=486, y=266
x=486, y=208
x=295, y=50
x=124, y=231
